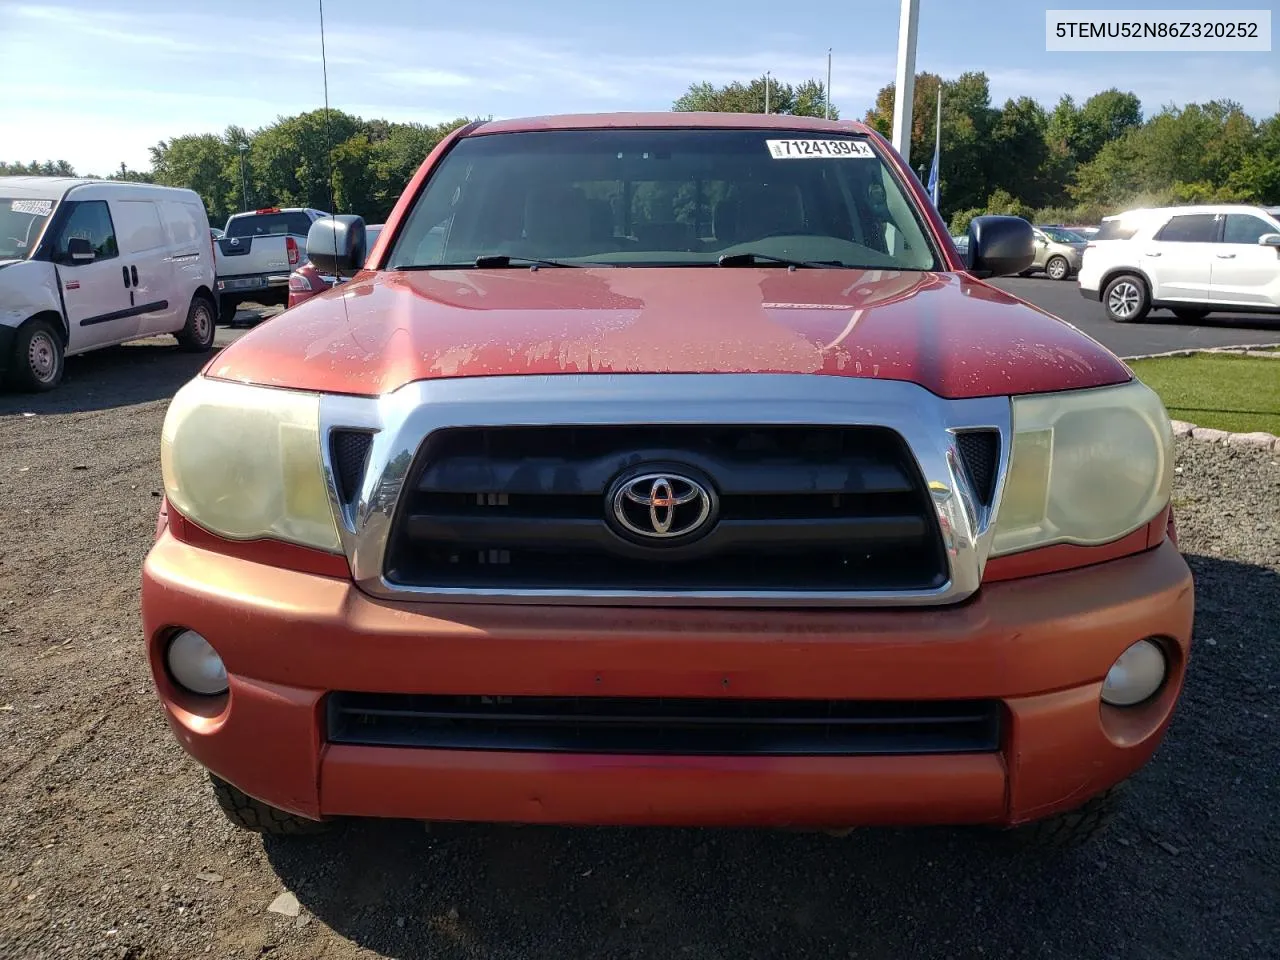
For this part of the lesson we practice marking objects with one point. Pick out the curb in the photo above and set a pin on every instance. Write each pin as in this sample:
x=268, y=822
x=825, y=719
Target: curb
x=1182, y=429
x=1256, y=441
x=1267, y=351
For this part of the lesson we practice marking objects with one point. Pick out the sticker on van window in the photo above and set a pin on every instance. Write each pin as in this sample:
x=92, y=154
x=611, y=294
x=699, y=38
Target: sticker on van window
x=39, y=208
x=817, y=149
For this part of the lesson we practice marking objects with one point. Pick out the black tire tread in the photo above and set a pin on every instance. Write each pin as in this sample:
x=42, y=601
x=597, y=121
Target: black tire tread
x=250, y=814
x=19, y=376
x=186, y=337
x=1074, y=828
x=1144, y=308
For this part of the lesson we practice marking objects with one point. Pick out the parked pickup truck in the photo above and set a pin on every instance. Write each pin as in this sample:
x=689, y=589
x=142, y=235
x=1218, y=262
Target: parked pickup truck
x=688, y=475
x=256, y=254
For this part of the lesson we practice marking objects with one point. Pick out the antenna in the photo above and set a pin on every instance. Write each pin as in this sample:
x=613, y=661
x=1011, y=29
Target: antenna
x=328, y=157
x=328, y=143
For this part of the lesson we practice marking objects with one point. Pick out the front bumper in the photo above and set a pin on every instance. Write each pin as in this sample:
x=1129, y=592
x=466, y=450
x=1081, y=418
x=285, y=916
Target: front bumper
x=1041, y=645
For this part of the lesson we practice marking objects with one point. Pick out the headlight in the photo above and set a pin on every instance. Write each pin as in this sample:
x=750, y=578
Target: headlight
x=1087, y=467
x=244, y=463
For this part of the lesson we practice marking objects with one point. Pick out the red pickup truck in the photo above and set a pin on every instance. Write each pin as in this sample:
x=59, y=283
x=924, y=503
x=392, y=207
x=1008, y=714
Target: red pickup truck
x=668, y=469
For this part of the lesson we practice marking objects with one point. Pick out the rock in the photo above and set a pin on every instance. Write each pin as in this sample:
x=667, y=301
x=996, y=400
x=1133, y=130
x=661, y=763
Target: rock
x=286, y=905
x=452, y=914
x=209, y=877
x=1182, y=429
x=1266, y=441
x=1168, y=848
x=302, y=921
x=1210, y=641
x=1209, y=435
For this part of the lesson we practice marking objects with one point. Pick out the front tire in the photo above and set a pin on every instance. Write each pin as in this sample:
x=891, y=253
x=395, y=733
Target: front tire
x=250, y=814
x=1057, y=268
x=1127, y=299
x=197, y=335
x=1075, y=828
x=37, y=362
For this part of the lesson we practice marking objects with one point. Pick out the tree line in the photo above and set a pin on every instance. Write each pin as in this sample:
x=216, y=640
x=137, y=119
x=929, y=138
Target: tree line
x=1074, y=163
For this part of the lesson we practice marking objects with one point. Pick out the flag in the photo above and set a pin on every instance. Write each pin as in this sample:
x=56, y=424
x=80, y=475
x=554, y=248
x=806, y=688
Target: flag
x=933, y=177
x=937, y=152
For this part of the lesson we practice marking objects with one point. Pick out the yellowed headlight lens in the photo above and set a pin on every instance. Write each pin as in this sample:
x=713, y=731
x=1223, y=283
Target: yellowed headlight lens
x=244, y=462
x=1086, y=467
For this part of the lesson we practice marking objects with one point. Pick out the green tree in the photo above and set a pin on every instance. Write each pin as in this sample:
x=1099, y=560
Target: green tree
x=1192, y=152
x=1105, y=117
x=1019, y=138
x=1257, y=178
x=200, y=162
x=809, y=99
x=354, y=190
x=968, y=159
x=134, y=176
x=49, y=168
x=290, y=158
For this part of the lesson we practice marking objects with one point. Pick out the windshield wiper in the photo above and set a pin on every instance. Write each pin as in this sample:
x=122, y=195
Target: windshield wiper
x=494, y=262
x=751, y=259
x=498, y=261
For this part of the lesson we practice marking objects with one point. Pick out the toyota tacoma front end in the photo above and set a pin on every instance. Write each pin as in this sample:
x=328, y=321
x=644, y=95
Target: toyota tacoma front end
x=668, y=469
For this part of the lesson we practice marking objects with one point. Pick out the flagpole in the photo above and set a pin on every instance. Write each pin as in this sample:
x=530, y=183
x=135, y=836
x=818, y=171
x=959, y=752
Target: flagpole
x=904, y=86
x=937, y=147
x=827, y=98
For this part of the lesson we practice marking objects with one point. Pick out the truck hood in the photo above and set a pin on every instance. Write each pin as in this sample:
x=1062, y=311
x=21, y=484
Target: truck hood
x=953, y=335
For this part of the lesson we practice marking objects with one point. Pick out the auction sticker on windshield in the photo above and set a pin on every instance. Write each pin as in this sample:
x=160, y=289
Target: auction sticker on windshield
x=39, y=208
x=817, y=149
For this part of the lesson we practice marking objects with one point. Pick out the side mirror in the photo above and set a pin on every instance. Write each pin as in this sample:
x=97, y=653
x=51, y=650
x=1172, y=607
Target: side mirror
x=79, y=250
x=336, y=245
x=999, y=246
x=1270, y=240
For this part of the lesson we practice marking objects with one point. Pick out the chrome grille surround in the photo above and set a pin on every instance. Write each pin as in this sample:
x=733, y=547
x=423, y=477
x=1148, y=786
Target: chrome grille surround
x=929, y=425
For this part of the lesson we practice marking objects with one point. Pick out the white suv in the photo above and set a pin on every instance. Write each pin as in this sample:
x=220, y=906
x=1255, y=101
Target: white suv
x=1191, y=260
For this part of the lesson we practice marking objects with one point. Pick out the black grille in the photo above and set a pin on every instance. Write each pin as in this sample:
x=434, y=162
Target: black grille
x=350, y=452
x=724, y=727
x=799, y=508
x=980, y=451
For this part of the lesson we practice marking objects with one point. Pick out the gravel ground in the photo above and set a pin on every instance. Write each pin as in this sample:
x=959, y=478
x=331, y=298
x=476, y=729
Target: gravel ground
x=110, y=844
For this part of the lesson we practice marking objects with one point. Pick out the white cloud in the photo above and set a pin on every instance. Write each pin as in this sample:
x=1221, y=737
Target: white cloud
x=192, y=71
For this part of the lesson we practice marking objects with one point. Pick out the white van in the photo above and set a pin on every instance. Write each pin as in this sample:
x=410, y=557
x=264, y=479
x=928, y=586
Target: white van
x=91, y=263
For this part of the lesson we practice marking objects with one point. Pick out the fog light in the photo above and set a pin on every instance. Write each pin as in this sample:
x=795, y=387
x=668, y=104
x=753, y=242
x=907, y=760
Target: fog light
x=195, y=665
x=1136, y=675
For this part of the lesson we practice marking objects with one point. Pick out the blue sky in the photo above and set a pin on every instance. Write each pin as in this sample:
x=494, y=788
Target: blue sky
x=97, y=83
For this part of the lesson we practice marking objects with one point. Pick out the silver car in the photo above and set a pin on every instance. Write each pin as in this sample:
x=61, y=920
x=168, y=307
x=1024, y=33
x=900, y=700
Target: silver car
x=1058, y=252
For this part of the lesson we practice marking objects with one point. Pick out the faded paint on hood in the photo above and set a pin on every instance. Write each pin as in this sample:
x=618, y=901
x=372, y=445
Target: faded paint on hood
x=946, y=332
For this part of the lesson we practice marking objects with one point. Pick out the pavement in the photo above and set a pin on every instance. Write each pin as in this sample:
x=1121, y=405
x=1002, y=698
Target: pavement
x=1159, y=333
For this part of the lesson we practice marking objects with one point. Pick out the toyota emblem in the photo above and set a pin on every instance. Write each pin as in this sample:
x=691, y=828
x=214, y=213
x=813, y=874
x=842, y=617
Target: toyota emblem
x=662, y=506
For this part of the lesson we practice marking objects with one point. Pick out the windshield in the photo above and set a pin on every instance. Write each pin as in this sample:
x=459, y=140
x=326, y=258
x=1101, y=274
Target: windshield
x=1059, y=235
x=269, y=224
x=640, y=197
x=21, y=223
